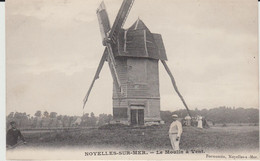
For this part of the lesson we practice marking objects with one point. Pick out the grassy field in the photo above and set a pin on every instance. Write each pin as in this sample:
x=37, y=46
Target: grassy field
x=150, y=138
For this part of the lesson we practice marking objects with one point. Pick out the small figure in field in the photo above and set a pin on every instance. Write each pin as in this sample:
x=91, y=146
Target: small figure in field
x=175, y=132
x=12, y=136
x=200, y=122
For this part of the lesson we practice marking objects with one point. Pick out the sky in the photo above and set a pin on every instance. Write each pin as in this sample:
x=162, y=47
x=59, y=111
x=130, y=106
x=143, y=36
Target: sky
x=53, y=48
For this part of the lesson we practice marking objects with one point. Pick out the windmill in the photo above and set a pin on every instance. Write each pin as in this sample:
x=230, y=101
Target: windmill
x=132, y=55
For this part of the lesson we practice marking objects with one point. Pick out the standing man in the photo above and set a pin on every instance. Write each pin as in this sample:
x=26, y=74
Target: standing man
x=175, y=132
x=12, y=135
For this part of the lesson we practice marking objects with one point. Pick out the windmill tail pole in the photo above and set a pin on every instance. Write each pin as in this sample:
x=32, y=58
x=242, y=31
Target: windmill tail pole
x=175, y=86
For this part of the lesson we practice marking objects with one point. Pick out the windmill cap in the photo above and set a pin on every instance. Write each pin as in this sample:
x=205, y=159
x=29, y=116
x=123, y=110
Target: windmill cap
x=175, y=116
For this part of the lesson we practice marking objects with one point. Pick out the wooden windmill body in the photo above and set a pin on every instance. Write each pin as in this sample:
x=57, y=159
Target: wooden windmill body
x=137, y=54
x=133, y=55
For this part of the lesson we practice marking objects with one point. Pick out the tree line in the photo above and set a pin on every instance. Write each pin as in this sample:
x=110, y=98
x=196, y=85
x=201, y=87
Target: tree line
x=45, y=119
x=52, y=119
x=219, y=115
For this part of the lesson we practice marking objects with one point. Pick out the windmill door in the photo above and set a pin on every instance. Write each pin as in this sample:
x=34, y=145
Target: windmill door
x=137, y=116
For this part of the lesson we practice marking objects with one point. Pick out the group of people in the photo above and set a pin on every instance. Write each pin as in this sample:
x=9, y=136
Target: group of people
x=175, y=131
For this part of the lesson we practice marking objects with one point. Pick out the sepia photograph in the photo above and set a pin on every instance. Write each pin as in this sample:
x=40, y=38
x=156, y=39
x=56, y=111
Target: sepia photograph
x=132, y=80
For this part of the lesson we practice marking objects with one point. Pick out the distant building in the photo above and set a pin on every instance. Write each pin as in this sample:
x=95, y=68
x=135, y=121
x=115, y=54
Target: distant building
x=77, y=121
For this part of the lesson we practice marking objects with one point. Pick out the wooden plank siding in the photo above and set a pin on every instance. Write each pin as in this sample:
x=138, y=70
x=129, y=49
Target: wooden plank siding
x=151, y=108
x=143, y=78
x=139, y=78
x=122, y=75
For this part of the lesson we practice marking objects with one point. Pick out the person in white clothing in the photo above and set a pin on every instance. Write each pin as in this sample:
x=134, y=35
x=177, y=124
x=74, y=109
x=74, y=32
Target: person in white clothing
x=200, y=122
x=175, y=132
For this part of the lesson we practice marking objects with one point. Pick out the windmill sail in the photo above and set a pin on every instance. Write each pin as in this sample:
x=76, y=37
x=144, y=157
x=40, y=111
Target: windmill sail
x=103, y=20
x=101, y=63
x=105, y=28
x=120, y=19
x=175, y=86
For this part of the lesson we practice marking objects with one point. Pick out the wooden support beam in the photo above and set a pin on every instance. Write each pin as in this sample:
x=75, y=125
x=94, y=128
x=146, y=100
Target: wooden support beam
x=175, y=86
